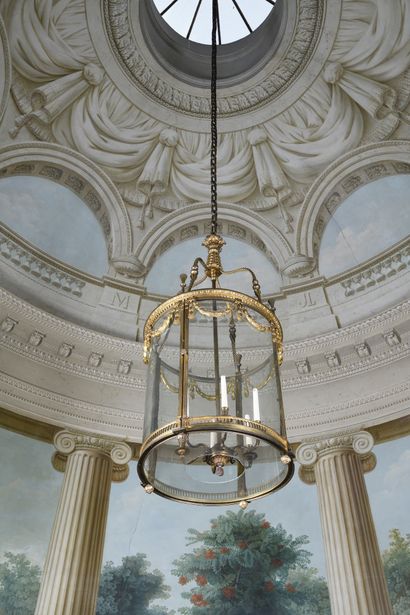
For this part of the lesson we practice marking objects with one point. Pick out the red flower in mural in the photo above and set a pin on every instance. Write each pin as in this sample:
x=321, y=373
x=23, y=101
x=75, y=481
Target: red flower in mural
x=265, y=525
x=269, y=586
x=224, y=550
x=182, y=580
x=197, y=599
x=290, y=588
x=242, y=544
x=201, y=580
x=277, y=563
x=209, y=554
x=229, y=592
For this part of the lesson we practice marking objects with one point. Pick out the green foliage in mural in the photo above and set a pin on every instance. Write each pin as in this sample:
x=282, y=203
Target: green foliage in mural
x=129, y=589
x=314, y=592
x=19, y=585
x=396, y=561
x=243, y=566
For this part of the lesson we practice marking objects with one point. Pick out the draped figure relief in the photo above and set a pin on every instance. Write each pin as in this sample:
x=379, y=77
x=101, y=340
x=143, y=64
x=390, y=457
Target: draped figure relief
x=73, y=102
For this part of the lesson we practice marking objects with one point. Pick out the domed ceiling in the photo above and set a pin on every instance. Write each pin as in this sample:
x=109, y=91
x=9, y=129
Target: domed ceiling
x=109, y=101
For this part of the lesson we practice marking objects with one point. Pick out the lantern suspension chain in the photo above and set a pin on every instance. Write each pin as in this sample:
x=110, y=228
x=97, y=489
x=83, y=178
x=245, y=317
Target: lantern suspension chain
x=214, y=130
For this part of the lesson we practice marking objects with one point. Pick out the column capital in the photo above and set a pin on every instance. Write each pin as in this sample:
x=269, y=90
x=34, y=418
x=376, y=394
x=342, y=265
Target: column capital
x=66, y=442
x=308, y=453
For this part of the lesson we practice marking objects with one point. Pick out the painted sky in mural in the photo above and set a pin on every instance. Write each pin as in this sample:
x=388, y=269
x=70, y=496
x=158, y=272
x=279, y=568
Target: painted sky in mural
x=370, y=220
x=54, y=219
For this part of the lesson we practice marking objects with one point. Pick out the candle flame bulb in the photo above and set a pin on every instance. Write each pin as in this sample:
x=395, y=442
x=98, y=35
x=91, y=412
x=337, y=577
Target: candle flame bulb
x=224, y=393
x=256, y=412
x=249, y=441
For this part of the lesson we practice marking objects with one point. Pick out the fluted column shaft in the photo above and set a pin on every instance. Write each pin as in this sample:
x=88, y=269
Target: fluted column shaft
x=73, y=564
x=356, y=580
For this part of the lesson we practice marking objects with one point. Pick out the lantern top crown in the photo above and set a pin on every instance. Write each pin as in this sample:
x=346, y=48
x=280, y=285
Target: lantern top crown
x=214, y=245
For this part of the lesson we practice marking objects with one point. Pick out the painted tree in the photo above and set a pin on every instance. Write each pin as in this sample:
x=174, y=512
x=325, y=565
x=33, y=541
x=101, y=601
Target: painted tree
x=396, y=561
x=312, y=591
x=130, y=588
x=19, y=585
x=241, y=566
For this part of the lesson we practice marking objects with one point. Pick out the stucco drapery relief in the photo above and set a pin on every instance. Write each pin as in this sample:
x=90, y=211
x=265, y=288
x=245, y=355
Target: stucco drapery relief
x=5, y=69
x=66, y=96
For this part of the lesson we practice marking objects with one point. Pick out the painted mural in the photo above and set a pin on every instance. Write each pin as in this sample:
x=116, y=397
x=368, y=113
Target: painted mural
x=362, y=227
x=54, y=219
x=164, y=558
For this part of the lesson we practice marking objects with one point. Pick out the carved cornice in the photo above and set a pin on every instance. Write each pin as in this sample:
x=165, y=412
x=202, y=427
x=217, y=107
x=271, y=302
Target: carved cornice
x=120, y=453
x=323, y=417
x=120, y=377
x=357, y=331
x=353, y=368
x=309, y=24
x=61, y=409
x=125, y=348
x=121, y=354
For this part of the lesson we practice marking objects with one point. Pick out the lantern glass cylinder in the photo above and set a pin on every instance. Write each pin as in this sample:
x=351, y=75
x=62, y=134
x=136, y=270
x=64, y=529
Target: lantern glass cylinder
x=214, y=430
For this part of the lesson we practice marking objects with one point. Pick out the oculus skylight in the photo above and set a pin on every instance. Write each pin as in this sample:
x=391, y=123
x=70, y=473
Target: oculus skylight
x=192, y=18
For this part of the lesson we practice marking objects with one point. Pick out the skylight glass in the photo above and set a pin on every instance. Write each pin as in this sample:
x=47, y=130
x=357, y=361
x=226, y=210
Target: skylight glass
x=193, y=18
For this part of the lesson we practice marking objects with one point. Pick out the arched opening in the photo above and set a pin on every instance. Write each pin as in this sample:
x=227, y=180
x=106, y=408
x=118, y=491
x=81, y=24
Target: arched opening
x=55, y=220
x=370, y=220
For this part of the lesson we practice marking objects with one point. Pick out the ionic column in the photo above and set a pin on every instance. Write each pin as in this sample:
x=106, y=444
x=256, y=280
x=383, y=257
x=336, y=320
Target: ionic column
x=73, y=564
x=357, y=585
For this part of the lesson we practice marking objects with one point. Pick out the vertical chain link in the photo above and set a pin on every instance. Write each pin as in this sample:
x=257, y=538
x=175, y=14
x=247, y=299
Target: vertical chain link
x=214, y=131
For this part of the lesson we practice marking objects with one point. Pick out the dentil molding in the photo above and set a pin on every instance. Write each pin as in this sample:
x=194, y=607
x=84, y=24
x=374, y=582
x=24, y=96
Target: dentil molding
x=53, y=365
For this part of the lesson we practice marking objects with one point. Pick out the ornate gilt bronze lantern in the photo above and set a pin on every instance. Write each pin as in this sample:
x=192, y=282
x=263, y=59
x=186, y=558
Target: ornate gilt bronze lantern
x=214, y=429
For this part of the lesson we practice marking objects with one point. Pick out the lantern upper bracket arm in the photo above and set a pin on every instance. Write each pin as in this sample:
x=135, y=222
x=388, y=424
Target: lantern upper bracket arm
x=255, y=283
x=194, y=271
